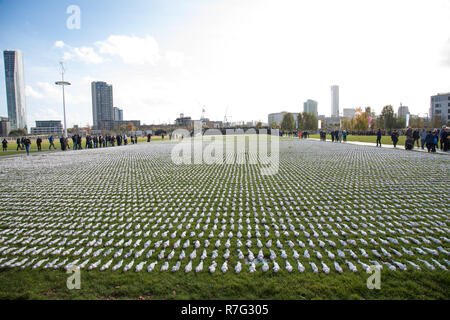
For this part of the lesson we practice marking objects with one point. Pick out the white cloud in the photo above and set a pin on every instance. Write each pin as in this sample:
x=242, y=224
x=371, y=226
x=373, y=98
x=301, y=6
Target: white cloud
x=52, y=93
x=59, y=44
x=175, y=58
x=88, y=55
x=446, y=61
x=131, y=49
x=30, y=92
x=68, y=56
x=84, y=53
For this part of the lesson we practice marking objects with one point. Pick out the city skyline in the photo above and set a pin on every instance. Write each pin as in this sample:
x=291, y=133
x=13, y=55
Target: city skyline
x=182, y=57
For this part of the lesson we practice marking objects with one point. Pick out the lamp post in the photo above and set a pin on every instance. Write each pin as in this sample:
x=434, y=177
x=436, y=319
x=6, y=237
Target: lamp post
x=63, y=84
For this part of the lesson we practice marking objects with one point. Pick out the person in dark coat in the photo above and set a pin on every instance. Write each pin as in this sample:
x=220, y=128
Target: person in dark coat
x=27, y=144
x=19, y=145
x=62, y=143
x=394, y=137
x=429, y=142
x=379, y=137
x=79, y=142
x=5, y=145
x=39, y=143
x=416, y=137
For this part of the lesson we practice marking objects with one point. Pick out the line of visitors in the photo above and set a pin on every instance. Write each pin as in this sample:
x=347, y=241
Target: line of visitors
x=24, y=143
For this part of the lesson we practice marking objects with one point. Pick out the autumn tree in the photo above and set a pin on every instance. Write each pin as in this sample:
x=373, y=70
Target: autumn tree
x=361, y=120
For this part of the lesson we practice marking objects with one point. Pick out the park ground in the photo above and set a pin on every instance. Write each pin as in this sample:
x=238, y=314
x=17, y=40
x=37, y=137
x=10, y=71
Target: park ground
x=347, y=174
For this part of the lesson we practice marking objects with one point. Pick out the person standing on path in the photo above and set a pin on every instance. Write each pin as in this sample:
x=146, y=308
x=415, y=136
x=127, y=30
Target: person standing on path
x=39, y=143
x=5, y=145
x=51, y=141
x=394, y=137
x=423, y=136
x=27, y=143
x=416, y=137
x=431, y=147
x=18, y=144
x=442, y=137
x=379, y=137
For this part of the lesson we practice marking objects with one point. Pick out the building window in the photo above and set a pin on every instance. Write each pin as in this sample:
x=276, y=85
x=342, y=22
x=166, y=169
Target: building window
x=438, y=112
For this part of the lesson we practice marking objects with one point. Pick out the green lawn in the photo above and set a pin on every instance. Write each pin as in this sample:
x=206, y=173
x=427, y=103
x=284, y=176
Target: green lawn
x=45, y=284
x=370, y=139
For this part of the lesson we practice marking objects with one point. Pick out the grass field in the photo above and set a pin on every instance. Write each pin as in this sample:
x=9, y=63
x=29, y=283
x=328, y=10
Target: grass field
x=116, y=208
x=369, y=139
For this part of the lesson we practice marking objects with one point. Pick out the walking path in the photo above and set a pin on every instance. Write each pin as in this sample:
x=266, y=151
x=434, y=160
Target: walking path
x=389, y=146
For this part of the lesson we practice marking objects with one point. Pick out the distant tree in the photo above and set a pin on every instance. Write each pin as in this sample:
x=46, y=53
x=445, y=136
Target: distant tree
x=417, y=122
x=18, y=133
x=361, y=120
x=387, y=118
x=437, y=122
x=347, y=124
x=122, y=129
x=307, y=121
x=259, y=125
x=288, y=123
x=131, y=127
x=274, y=125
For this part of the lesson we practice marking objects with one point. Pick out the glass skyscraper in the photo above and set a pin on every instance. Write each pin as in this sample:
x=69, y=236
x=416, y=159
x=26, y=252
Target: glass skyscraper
x=15, y=89
x=102, y=105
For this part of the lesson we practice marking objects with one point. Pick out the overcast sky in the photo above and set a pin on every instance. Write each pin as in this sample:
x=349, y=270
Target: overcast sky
x=244, y=58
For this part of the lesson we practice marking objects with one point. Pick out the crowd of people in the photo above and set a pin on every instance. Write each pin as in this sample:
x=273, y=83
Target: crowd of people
x=422, y=138
x=91, y=142
x=22, y=144
x=336, y=135
x=431, y=139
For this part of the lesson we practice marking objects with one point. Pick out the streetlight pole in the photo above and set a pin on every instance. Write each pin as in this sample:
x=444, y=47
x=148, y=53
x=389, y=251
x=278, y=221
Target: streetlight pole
x=63, y=84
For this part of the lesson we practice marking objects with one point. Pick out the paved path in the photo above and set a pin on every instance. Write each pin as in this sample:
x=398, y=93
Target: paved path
x=389, y=146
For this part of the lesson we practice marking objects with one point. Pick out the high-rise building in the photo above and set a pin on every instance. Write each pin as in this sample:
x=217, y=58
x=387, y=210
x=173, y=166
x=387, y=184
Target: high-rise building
x=102, y=105
x=47, y=127
x=310, y=106
x=335, y=101
x=349, y=113
x=4, y=127
x=402, y=111
x=278, y=117
x=440, y=107
x=15, y=89
x=118, y=114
